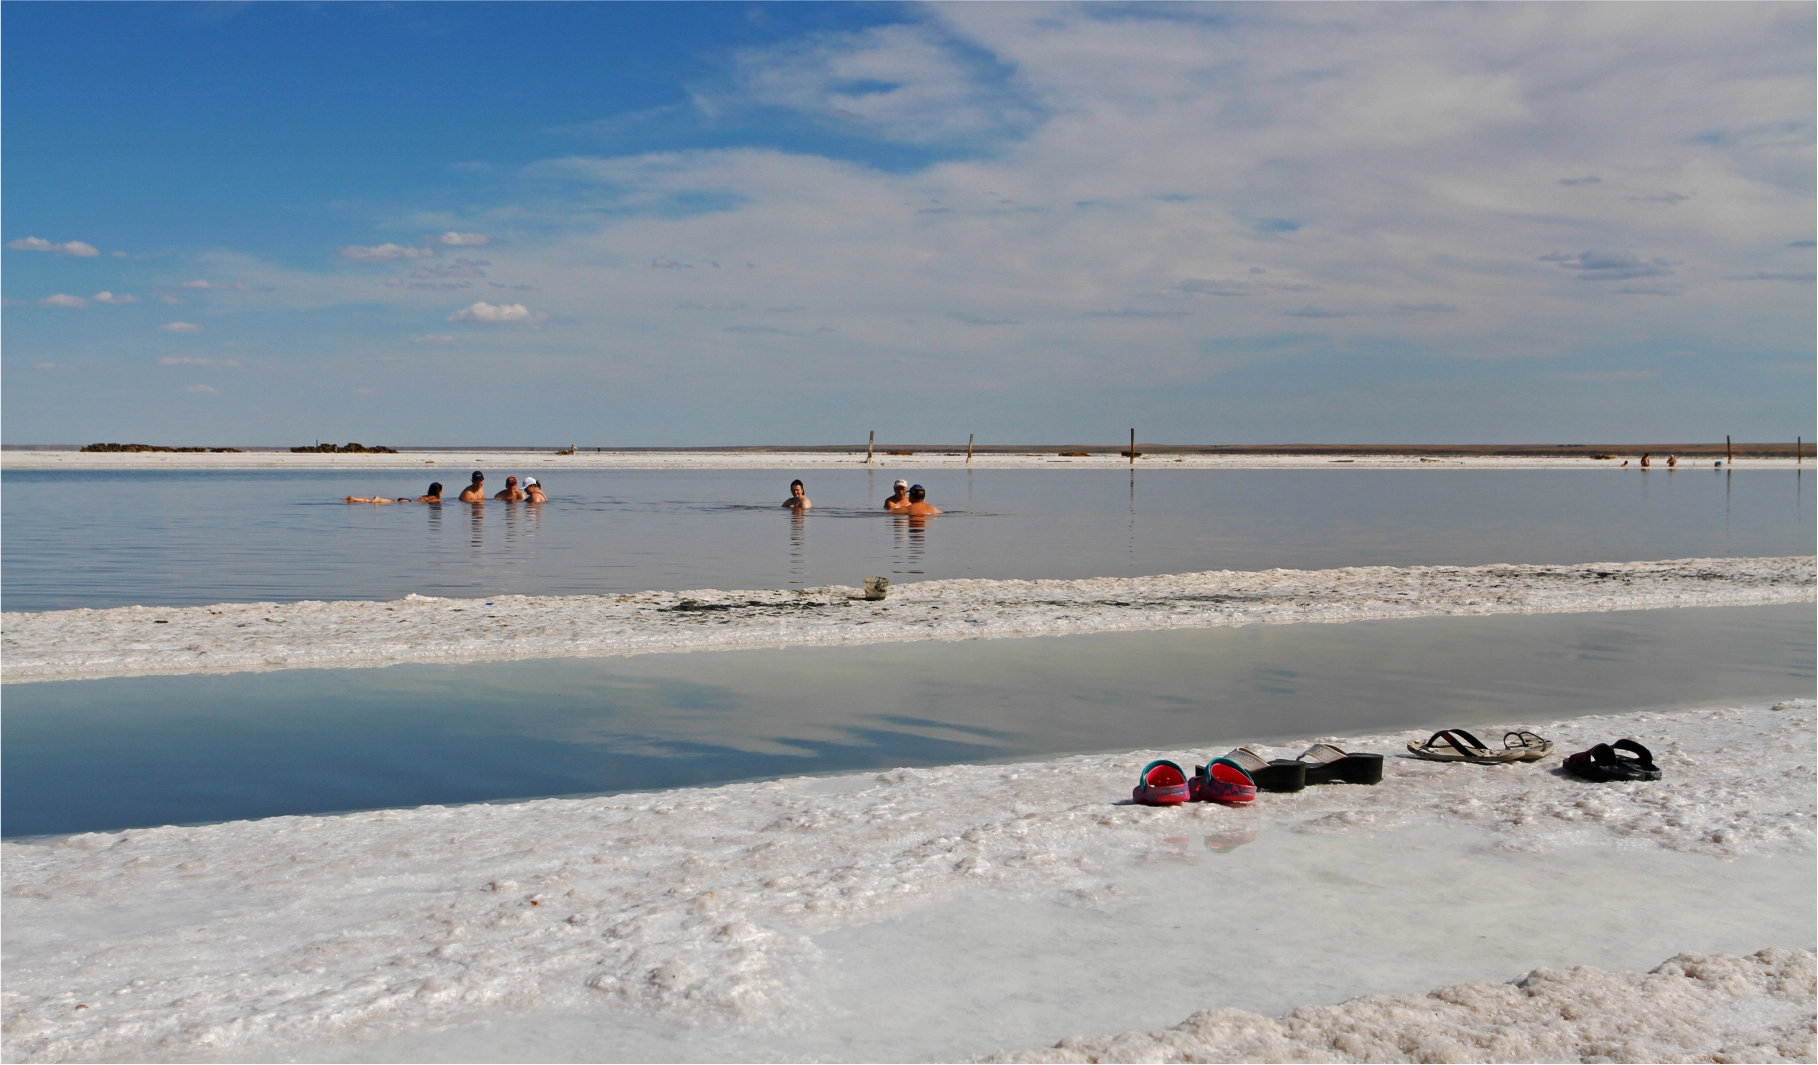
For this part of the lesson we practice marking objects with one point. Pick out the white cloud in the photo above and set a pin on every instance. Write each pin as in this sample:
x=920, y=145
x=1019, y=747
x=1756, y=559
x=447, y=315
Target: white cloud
x=109, y=297
x=471, y=240
x=69, y=247
x=200, y=389
x=178, y=361
x=497, y=314
x=236, y=286
x=433, y=338
x=118, y=254
x=62, y=299
x=1416, y=160
x=168, y=298
x=902, y=82
x=379, y=253
x=180, y=327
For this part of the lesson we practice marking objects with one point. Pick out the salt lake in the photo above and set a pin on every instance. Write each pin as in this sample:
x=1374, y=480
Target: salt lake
x=114, y=538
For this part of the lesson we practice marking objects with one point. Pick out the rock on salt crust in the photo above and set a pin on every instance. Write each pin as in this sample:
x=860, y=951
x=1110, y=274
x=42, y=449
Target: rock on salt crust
x=1694, y=1007
x=700, y=906
x=235, y=637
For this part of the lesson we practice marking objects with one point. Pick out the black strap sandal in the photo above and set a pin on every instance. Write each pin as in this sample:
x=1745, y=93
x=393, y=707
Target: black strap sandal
x=1604, y=764
x=1457, y=745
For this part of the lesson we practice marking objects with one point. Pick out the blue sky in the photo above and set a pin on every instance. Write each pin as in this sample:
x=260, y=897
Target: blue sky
x=648, y=224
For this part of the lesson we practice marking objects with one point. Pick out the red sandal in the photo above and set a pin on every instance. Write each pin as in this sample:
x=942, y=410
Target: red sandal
x=1162, y=784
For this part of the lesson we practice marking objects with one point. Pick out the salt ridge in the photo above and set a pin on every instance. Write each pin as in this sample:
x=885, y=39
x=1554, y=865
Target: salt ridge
x=239, y=637
x=1697, y=1007
x=699, y=905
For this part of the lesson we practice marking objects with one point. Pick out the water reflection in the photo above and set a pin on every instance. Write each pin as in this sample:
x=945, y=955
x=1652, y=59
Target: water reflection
x=92, y=755
x=911, y=539
x=798, y=546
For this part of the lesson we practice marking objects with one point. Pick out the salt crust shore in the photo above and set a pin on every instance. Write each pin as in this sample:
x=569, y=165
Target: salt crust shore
x=806, y=461
x=699, y=906
x=240, y=637
x=1696, y=1007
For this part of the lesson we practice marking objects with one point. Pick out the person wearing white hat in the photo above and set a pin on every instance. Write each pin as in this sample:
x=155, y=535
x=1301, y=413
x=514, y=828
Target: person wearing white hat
x=533, y=491
x=900, y=499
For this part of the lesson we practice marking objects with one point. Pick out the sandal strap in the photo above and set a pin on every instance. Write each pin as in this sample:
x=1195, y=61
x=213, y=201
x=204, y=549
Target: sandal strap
x=1625, y=744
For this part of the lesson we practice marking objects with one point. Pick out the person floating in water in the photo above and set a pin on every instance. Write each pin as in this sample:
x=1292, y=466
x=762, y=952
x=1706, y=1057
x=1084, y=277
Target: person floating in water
x=511, y=493
x=918, y=503
x=475, y=492
x=434, y=496
x=899, y=498
x=533, y=492
x=798, y=500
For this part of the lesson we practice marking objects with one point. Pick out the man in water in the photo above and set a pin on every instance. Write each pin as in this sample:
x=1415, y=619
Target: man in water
x=918, y=503
x=435, y=493
x=798, y=497
x=511, y=493
x=534, y=491
x=475, y=492
x=899, y=498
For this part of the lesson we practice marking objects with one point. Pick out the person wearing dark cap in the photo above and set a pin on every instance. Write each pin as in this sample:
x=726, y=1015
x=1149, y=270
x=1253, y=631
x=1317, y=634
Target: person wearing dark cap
x=919, y=506
x=899, y=498
x=475, y=492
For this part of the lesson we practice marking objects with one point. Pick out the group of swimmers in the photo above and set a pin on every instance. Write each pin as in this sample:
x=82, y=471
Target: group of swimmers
x=905, y=498
x=532, y=492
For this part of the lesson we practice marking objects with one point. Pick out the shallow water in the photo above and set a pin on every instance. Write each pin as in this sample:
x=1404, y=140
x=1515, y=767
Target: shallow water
x=131, y=752
x=113, y=538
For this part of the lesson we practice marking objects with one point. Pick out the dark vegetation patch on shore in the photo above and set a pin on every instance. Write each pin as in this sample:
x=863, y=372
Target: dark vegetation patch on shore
x=157, y=447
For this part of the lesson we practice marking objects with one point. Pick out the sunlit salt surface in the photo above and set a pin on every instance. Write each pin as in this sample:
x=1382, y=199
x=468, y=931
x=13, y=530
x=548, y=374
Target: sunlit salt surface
x=1247, y=918
x=112, y=538
x=109, y=754
x=951, y=911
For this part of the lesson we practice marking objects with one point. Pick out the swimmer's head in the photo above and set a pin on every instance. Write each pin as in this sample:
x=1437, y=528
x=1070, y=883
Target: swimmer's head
x=917, y=493
x=530, y=482
x=435, y=488
x=900, y=484
x=797, y=483
x=478, y=477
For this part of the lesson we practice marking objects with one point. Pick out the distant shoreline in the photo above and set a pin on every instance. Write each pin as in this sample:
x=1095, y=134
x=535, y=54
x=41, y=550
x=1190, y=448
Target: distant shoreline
x=919, y=456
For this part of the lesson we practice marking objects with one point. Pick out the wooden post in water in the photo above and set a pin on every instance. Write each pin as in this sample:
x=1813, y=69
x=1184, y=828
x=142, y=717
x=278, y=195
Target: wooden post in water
x=1799, y=451
x=1133, y=447
x=1729, y=452
x=969, y=438
x=870, y=446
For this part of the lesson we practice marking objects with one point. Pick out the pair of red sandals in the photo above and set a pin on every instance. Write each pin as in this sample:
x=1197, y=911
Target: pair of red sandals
x=1163, y=783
